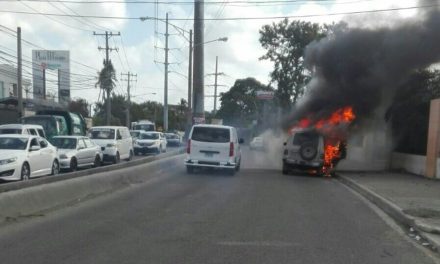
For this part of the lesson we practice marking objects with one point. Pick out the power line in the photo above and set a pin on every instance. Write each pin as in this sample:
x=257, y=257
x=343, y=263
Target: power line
x=228, y=18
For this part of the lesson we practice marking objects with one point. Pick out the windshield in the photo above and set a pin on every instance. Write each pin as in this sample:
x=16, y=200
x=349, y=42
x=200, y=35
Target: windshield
x=171, y=136
x=149, y=136
x=145, y=127
x=64, y=143
x=13, y=143
x=211, y=134
x=10, y=131
x=102, y=133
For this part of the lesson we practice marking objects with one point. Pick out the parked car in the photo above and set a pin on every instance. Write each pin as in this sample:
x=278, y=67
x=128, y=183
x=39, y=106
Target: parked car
x=150, y=142
x=115, y=141
x=303, y=150
x=173, y=139
x=23, y=129
x=26, y=156
x=257, y=143
x=77, y=152
x=213, y=146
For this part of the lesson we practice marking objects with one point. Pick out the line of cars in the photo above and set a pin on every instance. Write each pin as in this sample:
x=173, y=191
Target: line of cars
x=26, y=153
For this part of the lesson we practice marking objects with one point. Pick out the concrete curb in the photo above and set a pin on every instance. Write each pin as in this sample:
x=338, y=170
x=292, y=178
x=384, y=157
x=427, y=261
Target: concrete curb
x=6, y=187
x=36, y=200
x=391, y=209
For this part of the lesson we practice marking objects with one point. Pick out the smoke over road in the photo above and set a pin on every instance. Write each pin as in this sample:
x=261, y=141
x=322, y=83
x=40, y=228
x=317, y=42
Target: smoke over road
x=361, y=67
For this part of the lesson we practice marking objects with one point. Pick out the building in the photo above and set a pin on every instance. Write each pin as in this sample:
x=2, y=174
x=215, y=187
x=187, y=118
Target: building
x=8, y=82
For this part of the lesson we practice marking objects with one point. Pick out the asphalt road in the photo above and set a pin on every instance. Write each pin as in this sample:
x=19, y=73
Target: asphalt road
x=256, y=216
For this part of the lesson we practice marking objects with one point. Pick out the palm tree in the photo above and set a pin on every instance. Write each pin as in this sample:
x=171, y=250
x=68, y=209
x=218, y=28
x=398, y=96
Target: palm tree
x=107, y=82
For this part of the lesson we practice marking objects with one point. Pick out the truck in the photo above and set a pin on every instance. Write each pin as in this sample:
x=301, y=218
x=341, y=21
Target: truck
x=145, y=125
x=58, y=122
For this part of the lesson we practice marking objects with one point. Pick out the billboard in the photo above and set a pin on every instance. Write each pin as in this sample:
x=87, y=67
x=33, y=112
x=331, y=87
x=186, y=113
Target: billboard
x=58, y=60
x=265, y=95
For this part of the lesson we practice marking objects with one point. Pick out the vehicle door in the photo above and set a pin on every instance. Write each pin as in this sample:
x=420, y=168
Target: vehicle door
x=128, y=140
x=47, y=154
x=162, y=140
x=82, y=154
x=210, y=143
x=120, y=144
x=90, y=150
x=35, y=158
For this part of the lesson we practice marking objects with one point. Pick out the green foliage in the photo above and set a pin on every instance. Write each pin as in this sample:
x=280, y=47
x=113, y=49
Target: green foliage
x=107, y=77
x=239, y=106
x=285, y=43
x=80, y=106
x=409, y=112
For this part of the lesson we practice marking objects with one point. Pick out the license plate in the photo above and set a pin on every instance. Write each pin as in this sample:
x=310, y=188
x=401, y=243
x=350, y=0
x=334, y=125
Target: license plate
x=209, y=155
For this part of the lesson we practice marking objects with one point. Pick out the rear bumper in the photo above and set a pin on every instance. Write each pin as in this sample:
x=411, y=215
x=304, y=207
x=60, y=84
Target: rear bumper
x=304, y=164
x=146, y=149
x=210, y=164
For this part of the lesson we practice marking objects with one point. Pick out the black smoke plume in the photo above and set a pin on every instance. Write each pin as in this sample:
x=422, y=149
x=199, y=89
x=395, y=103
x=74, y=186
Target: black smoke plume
x=361, y=67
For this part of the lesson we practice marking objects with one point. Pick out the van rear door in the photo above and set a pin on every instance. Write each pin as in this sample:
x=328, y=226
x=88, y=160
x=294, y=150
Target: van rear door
x=210, y=144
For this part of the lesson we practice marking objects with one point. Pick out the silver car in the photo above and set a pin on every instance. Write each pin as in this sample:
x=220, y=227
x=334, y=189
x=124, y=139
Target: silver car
x=77, y=152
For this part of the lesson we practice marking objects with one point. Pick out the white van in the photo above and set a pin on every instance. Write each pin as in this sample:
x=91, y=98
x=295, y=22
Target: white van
x=115, y=142
x=213, y=146
x=23, y=129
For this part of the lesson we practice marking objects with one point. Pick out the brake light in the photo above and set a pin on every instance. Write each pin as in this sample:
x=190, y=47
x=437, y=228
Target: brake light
x=231, y=149
x=188, y=146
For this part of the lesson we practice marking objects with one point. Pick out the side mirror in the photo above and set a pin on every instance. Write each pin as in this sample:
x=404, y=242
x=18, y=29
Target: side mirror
x=35, y=148
x=285, y=143
x=240, y=141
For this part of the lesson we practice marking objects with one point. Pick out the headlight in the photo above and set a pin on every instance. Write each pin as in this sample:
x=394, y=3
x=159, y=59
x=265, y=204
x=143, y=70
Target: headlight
x=7, y=161
x=63, y=156
x=111, y=145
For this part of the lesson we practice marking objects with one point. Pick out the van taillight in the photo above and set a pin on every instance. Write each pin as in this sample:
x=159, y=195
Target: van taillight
x=188, y=146
x=231, y=149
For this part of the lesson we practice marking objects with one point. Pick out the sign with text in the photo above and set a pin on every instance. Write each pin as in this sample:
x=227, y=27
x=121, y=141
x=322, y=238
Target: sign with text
x=265, y=95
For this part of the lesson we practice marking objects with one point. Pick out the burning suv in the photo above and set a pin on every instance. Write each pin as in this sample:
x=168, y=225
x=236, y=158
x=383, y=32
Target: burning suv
x=304, y=149
x=310, y=150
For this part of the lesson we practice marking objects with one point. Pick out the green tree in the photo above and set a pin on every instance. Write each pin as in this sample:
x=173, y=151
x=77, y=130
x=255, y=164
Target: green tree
x=119, y=106
x=107, y=80
x=239, y=106
x=80, y=106
x=285, y=43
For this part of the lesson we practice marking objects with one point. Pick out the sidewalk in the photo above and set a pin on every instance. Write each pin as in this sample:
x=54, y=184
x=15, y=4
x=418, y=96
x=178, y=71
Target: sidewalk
x=410, y=199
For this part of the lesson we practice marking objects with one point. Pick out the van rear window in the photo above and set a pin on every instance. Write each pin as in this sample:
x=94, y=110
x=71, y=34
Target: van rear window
x=211, y=134
x=301, y=138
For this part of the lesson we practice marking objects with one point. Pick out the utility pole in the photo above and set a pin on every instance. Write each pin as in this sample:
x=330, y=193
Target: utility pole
x=19, y=75
x=129, y=75
x=190, y=65
x=44, y=83
x=198, y=99
x=215, y=84
x=107, y=61
x=165, y=99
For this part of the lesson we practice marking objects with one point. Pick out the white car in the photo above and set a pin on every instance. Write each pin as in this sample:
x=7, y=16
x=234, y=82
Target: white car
x=257, y=143
x=25, y=156
x=150, y=142
x=24, y=129
x=77, y=152
x=213, y=146
x=115, y=141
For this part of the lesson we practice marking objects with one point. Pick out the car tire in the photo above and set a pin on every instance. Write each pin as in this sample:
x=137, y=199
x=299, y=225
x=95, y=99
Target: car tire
x=97, y=162
x=73, y=164
x=25, y=172
x=55, y=168
x=285, y=168
x=189, y=169
x=238, y=166
x=130, y=156
x=116, y=158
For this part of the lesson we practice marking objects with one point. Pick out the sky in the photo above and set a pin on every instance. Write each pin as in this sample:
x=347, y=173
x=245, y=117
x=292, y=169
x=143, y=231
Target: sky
x=140, y=45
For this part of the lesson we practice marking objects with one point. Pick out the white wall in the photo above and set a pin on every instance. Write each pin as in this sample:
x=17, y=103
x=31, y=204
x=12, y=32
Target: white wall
x=412, y=163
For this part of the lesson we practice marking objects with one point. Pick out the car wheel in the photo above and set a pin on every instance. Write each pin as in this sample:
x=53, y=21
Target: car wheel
x=97, y=161
x=73, y=164
x=189, y=169
x=55, y=168
x=117, y=158
x=285, y=168
x=25, y=172
x=238, y=166
x=130, y=156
